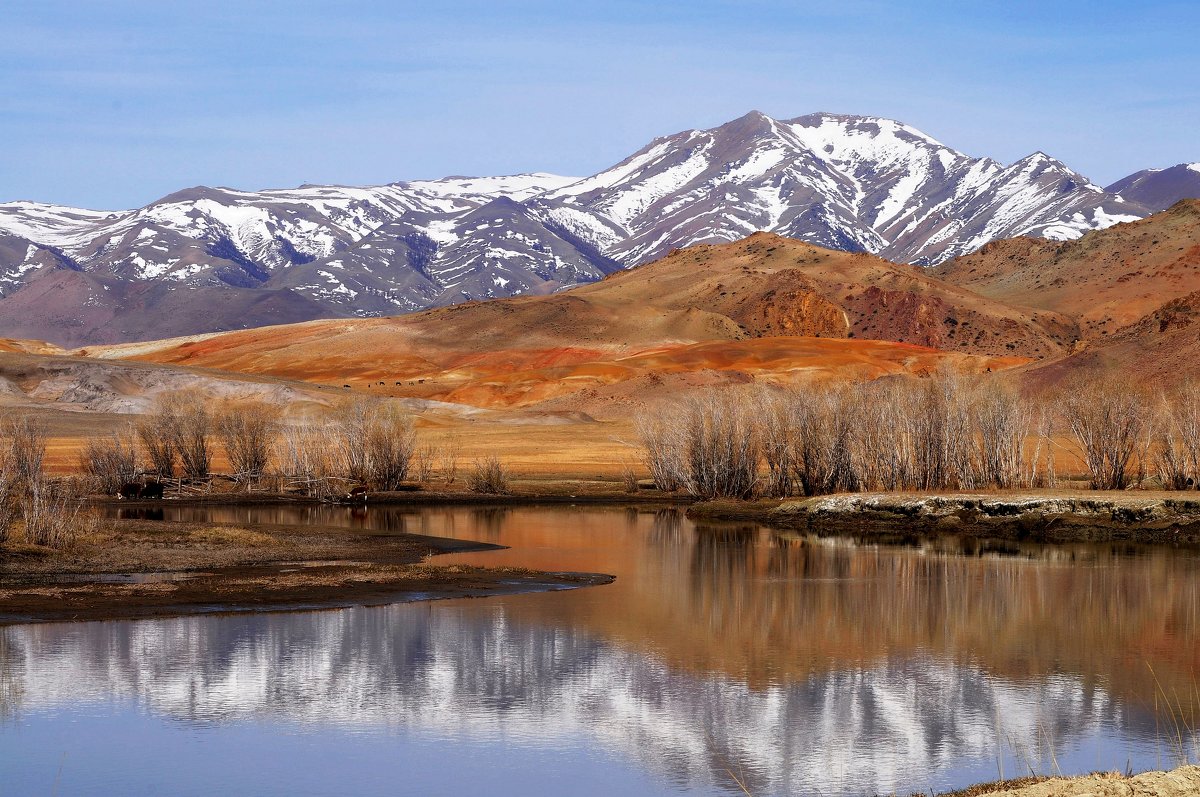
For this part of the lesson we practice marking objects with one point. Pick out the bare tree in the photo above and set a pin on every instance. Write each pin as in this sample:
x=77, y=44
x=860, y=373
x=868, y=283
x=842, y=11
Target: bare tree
x=423, y=462
x=376, y=441
x=720, y=447
x=1107, y=420
x=248, y=432
x=777, y=443
x=662, y=440
x=194, y=436
x=179, y=429
x=451, y=452
x=1003, y=420
x=10, y=507
x=158, y=432
x=110, y=461
x=50, y=510
x=1176, y=443
x=25, y=452
x=306, y=459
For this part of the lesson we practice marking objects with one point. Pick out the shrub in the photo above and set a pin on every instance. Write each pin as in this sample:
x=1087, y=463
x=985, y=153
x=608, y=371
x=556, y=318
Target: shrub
x=53, y=514
x=488, y=476
x=629, y=478
x=110, y=462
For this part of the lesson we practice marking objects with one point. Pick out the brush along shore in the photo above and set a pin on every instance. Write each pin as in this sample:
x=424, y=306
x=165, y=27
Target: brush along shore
x=139, y=568
x=1055, y=516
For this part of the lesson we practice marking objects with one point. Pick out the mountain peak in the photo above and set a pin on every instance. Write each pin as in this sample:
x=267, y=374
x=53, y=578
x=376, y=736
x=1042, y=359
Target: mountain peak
x=1159, y=189
x=750, y=125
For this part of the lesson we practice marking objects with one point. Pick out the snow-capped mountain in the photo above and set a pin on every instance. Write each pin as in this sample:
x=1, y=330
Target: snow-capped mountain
x=845, y=182
x=1159, y=189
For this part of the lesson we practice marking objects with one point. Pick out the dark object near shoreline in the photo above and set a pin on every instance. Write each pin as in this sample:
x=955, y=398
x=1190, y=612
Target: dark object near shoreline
x=132, y=490
x=357, y=493
x=151, y=490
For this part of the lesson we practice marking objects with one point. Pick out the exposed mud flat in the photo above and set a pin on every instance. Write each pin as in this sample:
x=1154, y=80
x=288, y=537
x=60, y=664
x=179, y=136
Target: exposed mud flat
x=138, y=568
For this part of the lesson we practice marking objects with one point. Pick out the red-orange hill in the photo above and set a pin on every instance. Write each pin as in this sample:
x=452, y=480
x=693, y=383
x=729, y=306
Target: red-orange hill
x=763, y=308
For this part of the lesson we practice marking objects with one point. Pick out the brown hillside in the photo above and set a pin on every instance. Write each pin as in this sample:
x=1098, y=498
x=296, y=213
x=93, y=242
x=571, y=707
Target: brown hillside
x=1105, y=280
x=1159, y=349
x=769, y=285
x=766, y=307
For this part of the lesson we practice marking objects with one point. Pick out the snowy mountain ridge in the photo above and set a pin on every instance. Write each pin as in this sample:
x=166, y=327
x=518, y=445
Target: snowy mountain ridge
x=846, y=182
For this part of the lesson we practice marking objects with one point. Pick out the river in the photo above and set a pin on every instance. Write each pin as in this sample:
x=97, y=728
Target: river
x=723, y=657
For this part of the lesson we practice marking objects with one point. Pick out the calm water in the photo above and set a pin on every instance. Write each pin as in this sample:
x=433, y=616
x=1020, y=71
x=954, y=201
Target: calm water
x=794, y=665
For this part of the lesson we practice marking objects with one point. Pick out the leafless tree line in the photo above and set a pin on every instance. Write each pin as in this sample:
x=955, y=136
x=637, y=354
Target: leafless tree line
x=1126, y=434
x=364, y=442
x=943, y=432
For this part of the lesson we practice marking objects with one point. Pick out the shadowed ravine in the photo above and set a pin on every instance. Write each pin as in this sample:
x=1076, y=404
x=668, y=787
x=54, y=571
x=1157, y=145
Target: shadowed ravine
x=804, y=666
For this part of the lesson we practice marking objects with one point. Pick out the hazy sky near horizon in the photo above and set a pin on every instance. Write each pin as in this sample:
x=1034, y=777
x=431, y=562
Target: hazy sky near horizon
x=112, y=105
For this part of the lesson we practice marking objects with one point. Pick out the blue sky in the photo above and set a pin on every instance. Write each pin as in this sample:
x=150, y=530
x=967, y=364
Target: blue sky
x=114, y=104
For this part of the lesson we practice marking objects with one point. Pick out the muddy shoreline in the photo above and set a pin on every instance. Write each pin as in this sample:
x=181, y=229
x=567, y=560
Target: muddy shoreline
x=129, y=569
x=1172, y=519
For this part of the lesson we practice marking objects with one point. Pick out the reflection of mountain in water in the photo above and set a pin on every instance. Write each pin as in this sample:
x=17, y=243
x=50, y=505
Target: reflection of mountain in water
x=473, y=671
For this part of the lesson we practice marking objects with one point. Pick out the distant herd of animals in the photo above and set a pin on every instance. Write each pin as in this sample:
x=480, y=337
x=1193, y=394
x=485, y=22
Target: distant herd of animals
x=398, y=384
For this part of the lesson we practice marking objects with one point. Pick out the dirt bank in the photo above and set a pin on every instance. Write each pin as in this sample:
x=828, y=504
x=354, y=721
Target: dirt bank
x=1044, y=517
x=135, y=568
x=1177, y=783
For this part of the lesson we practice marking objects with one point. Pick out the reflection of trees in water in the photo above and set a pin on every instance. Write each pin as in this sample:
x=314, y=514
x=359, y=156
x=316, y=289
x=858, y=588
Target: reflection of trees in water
x=632, y=516
x=139, y=513
x=666, y=528
x=12, y=673
x=787, y=607
x=720, y=553
x=489, y=521
x=488, y=675
x=388, y=519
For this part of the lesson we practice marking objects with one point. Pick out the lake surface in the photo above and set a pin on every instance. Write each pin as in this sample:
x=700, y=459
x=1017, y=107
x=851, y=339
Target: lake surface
x=723, y=654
